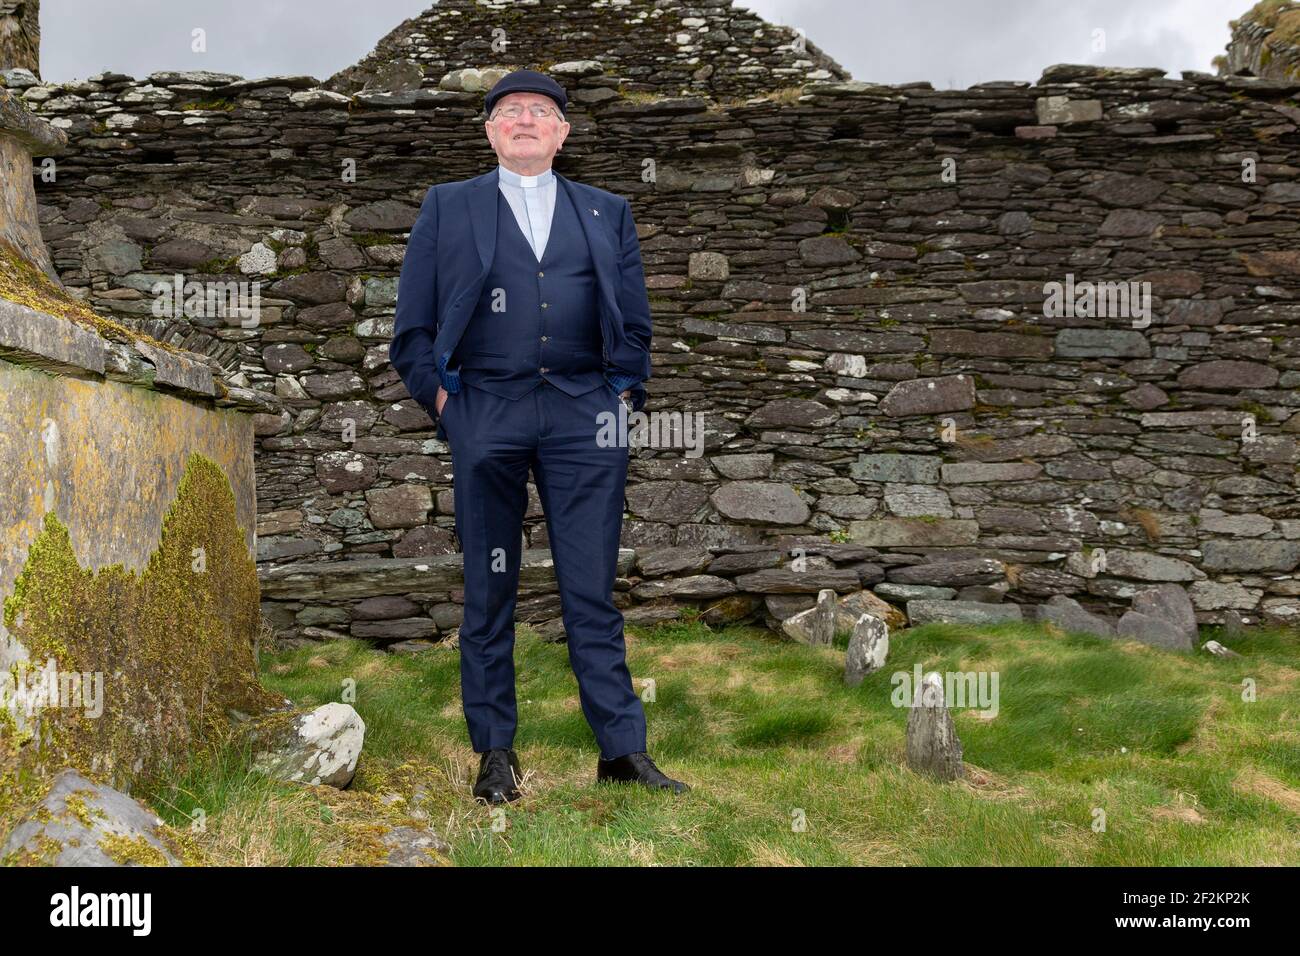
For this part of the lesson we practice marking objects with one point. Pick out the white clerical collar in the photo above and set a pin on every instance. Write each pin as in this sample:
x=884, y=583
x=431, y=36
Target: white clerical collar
x=514, y=179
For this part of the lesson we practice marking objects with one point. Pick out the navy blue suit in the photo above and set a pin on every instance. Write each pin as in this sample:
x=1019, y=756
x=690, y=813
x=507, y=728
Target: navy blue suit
x=533, y=355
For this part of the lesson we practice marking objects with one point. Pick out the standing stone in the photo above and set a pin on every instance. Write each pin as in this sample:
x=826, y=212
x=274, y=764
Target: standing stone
x=1154, y=631
x=868, y=648
x=1169, y=603
x=932, y=744
x=815, y=626
x=1071, y=617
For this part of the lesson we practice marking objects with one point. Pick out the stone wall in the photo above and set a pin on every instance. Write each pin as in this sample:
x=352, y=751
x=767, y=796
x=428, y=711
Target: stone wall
x=848, y=282
x=712, y=47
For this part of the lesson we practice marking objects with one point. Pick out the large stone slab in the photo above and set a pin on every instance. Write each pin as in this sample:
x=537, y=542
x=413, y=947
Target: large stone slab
x=1250, y=555
x=41, y=340
x=951, y=573
x=83, y=823
x=760, y=502
x=1071, y=617
x=909, y=469
x=1153, y=631
x=961, y=612
x=1146, y=566
x=930, y=396
x=1169, y=603
x=961, y=473
x=920, y=532
x=1102, y=343
x=1062, y=110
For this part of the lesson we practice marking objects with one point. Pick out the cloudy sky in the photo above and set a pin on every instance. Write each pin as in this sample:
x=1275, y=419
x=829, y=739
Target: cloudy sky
x=951, y=43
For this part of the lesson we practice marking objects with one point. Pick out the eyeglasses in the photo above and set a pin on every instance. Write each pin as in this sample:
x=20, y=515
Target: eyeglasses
x=514, y=112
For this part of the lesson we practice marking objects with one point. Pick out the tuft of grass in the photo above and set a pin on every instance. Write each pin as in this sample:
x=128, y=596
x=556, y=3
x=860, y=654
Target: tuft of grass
x=1146, y=519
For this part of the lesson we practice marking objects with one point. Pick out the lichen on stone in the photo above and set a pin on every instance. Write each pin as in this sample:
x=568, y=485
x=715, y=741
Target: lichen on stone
x=173, y=644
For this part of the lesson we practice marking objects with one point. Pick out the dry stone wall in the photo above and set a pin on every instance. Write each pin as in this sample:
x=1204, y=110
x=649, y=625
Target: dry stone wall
x=848, y=284
x=712, y=48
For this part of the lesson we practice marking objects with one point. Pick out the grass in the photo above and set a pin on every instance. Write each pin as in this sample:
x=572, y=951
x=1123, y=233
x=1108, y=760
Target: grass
x=768, y=735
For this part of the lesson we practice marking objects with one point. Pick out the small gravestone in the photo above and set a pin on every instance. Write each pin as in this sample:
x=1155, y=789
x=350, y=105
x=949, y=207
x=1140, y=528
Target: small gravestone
x=1070, y=616
x=868, y=648
x=1169, y=602
x=1154, y=631
x=815, y=626
x=932, y=744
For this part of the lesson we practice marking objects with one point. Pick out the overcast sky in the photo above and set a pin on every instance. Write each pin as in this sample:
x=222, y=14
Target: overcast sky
x=951, y=43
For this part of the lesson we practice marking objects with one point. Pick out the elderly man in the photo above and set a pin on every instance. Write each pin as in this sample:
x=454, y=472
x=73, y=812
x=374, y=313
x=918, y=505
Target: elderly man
x=523, y=325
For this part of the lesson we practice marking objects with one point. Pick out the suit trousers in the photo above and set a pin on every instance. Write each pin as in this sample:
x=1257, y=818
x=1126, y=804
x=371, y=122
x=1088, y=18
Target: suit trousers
x=495, y=441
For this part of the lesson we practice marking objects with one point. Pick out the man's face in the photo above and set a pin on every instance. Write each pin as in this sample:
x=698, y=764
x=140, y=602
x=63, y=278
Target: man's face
x=526, y=140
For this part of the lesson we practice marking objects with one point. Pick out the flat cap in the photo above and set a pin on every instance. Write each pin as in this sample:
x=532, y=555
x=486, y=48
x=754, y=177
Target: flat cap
x=526, y=81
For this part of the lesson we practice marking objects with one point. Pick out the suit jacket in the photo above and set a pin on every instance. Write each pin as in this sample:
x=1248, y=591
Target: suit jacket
x=449, y=255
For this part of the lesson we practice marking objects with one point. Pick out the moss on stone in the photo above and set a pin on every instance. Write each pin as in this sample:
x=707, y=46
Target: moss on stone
x=228, y=265
x=366, y=239
x=27, y=284
x=131, y=851
x=1268, y=13
x=76, y=805
x=214, y=105
x=173, y=644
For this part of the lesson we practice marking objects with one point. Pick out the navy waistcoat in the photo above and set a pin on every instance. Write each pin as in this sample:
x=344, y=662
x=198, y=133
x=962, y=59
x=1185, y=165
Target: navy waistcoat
x=535, y=320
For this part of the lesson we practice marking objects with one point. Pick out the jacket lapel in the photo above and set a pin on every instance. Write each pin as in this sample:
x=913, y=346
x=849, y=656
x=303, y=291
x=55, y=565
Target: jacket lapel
x=483, y=219
x=602, y=251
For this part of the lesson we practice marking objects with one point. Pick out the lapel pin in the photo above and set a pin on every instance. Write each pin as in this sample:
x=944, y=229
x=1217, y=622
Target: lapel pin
x=595, y=212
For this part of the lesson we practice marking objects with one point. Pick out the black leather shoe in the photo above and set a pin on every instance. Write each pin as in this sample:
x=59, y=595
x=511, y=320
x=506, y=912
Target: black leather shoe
x=498, y=774
x=637, y=768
